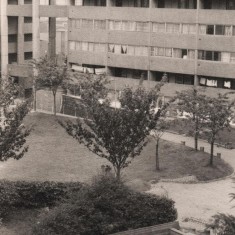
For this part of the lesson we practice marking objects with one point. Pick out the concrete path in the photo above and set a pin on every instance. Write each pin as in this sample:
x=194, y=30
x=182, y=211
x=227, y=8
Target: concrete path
x=201, y=200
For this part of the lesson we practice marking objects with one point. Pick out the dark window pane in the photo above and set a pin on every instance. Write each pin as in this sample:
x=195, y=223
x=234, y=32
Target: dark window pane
x=210, y=29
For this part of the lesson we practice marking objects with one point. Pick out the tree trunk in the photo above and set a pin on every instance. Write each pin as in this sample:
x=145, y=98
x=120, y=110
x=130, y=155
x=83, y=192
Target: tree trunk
x=118, y=173
x=54, y=99
x=34, y=98
x=196, y=141
x=212, y=153
x=196, y=136
x=157, y=156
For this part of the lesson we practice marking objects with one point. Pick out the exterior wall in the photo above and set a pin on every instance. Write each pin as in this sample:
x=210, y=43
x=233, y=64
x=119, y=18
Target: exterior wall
x=151, y=39
x=148, y=62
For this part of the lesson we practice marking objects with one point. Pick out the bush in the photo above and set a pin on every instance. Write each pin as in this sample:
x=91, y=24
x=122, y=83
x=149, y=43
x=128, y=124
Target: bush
x=106, y=207
x=223, y=224
x=22, y=194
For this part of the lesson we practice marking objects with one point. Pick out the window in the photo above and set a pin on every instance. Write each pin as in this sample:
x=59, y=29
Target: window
x=99, y=47
x=191, y=54
x=230, y=4
x=87, y=24
x=232, y=58
x=210, y=29
x=28, y=37
x=27, y=1
x=12, y=2
x=131, y=50
x=78, y=46
x=192, y=28
x=12, y=58
x=12, y=38
x=177, y=53
x=142, y=26
x=28, y=20
x=228, y=30
x=72, y=46
x=160, y=51
x=159, y=27
x=212, y=55
x=183, y=4
x=99, y=24
x=202, y=29
x=28, y=55
x=219, y=30
x=168, y=52
x=172, y=28
x=141, y=51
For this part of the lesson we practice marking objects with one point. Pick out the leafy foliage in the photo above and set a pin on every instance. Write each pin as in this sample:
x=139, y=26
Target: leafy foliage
x=118, y=134
x=223, y=224
x=12, y=132
x=193, y=103
x=22, y=194
x=89, y=86
x=106, y=207
x=218, y=116
x=51, y=73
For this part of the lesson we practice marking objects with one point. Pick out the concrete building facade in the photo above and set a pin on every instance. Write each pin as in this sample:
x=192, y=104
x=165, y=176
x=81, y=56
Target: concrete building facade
x=192, y=42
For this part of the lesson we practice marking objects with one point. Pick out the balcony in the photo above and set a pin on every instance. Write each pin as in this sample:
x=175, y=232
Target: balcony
x=128, y=38
x=87, y=12
x=216, y=69
x=126, y=61
x=217, y=17
x=128, y=13
x=86, y=57
x=28, y=46
x=88, y=35
x=19, y=10
x=173, y=40
x=216, y=43
x=19, y=70
x=12, y=47
x=28, y=28
x=173, y=15
x=172, y=65
x=53, y=11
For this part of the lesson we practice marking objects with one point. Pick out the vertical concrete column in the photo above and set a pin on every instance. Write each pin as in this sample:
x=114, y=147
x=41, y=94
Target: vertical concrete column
x=4, y=37
x=20, y=37
x=196, y=80
x=108, y=5
x=36, y=29
x=52, y=33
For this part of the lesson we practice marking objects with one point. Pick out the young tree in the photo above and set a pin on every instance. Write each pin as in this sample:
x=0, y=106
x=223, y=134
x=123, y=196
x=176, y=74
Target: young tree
x=12, y=131
x=51, y=73
x=218, y=117
x=157, y=133
x=118, y=135
x=192, y=103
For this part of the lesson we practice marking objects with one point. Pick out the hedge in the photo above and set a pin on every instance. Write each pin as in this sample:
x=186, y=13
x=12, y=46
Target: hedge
x=106, y=207
x=21, y=194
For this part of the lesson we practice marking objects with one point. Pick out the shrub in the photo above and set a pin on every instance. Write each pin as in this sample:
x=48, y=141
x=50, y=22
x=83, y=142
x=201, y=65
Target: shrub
x=223, y=224
x=22, y=194
x=105, y=207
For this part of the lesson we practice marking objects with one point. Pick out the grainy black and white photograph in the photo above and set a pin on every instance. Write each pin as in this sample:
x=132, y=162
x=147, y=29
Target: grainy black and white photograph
x=117, y=117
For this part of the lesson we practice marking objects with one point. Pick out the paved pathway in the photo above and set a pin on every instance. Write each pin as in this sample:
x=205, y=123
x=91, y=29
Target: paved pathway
x=201, y=200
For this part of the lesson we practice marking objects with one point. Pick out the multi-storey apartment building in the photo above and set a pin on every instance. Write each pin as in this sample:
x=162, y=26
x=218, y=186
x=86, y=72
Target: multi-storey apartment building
x=192, y=41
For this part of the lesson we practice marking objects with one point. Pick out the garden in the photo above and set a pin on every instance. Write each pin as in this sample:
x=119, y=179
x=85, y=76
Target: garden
x=78, y=176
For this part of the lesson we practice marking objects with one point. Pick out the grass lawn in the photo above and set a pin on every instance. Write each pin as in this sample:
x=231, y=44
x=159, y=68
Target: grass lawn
x=53, y=155
x=182, y=126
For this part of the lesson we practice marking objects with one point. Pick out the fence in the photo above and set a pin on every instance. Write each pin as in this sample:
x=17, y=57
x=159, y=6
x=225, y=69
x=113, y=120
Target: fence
x=162, y=229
